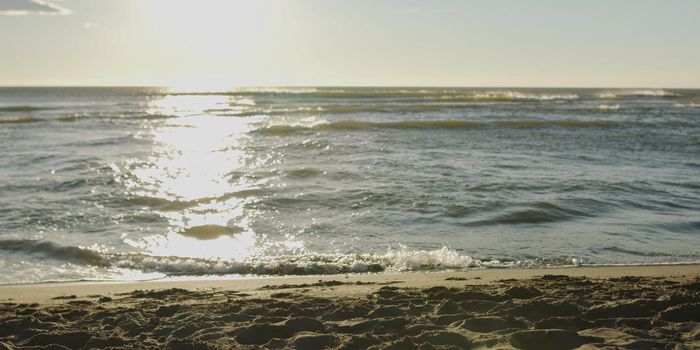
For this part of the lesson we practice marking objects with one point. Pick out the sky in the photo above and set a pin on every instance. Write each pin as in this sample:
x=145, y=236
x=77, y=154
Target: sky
x=208, y=44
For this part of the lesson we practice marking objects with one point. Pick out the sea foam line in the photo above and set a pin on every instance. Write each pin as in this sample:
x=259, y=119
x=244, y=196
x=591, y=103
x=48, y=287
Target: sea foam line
x=354, y=124
x=394, y=260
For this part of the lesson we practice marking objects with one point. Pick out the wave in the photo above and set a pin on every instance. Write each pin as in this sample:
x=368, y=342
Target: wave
x=19, y=120
x=52, y=250
x=20, y=109
x=304, y=172
x=328, y=109
x=174, y=204
x=370, y=93
x=507, y=95
x=394, y=260
x=687, y=105
x=163, y=204
x=538, y=213
x=692, y=226
x=616, y=249
x=149, y=116
x=314, y=264
x=307, y=264
x=352, y=124
x=210, y=231
x=636, y=93
x=75, y=118
x=70, y=117
x=605, y=107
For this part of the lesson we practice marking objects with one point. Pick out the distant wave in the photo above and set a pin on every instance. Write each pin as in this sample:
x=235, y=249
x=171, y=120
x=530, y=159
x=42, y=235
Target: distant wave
x=508, y=95
x=352, y=124
x=70, y=117
x=78, y=117
x=606, y=107
x=149, y=116
x=687, y=105
x=19, y=120
x=636, y=93
x=421, y=106
x=430, y=94
x=20, y=109
x=393, y=99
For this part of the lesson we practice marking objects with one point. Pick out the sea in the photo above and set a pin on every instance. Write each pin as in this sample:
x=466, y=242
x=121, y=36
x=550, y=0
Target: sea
x=121, y=183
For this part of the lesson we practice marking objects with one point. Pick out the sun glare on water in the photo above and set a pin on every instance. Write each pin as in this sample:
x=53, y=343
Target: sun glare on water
x=192, y=179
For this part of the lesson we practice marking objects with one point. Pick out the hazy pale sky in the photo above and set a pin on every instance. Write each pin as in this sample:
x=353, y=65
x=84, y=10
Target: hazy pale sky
x=226, y=43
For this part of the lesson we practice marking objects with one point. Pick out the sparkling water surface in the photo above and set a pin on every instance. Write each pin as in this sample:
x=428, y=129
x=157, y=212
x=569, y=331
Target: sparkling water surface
x=132, y=183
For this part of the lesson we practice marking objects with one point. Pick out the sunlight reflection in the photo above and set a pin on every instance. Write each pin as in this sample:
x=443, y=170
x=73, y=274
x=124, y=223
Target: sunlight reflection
x=193, y=158
x=186, y=105
x=193, y=178
x=237, y=247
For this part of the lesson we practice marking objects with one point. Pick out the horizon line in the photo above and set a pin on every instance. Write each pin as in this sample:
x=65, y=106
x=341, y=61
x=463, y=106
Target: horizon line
x=350, y=86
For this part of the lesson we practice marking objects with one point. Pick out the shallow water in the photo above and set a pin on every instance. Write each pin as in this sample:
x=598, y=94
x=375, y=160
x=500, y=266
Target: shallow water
x=130, y=183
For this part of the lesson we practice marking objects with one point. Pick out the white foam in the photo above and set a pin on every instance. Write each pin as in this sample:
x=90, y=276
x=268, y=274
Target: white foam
x=545, y=97
x=636, y=93
x=395, y=260
x=504, y=95
x=443, y=258
x=606, y=107
x=275, y=90
x=687, y=105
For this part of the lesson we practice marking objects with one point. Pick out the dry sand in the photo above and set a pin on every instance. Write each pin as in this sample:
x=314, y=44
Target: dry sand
x=649, y=307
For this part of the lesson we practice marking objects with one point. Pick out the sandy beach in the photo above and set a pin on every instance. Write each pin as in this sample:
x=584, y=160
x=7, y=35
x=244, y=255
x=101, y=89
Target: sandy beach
x=642, y=307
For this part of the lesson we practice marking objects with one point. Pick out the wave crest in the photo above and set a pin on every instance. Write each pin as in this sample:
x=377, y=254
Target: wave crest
x=19, y=109
x=508, y=95
x=19, y=120
x=636, y=93
x=366, y=93
x=353, y=124
x=53, y=250
x=307, y=264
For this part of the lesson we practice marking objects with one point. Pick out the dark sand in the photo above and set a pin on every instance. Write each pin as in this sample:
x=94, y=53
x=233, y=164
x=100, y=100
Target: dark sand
x=552, y=311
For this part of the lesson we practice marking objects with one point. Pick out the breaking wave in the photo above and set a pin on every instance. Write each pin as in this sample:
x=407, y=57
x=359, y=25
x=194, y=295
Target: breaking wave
x=20, y=109
x=19, y=120
x=686, y=105
x=307, y=264
x=394, y=260
x=429, y=94
x=636, y=93
x=507, y=95
x=51, y=250
x=70, y=117
x=606, y=107
x=352, y=124
x=78, y=117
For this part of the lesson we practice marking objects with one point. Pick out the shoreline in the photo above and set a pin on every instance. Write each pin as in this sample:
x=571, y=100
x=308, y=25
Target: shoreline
x=623, y=307
x=45, y=292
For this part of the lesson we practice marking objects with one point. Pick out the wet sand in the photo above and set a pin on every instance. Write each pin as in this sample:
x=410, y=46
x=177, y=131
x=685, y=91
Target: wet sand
x=647, y=307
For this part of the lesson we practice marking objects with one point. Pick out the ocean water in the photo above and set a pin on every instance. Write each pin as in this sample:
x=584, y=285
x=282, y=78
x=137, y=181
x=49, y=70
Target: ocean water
x=139, y=183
